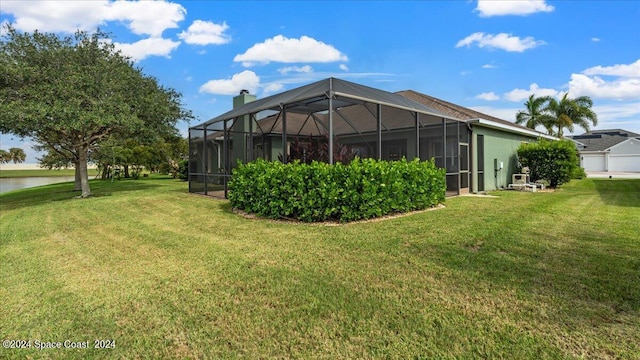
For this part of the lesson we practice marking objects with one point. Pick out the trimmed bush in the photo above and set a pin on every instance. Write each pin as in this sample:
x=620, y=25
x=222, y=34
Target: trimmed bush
x=362, y=189
x=183, y=170
x=554, y=161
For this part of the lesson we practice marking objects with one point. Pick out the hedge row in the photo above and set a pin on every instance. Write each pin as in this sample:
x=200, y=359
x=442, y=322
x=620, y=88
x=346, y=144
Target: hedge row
x=319, y=192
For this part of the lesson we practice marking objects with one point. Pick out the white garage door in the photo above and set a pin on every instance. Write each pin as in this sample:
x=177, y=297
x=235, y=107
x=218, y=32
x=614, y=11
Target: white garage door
x=630, y=163
x=593, y=163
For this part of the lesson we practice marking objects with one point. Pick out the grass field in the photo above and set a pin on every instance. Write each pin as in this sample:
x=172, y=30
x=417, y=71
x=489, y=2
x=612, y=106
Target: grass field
x=42, y=172
x=167, y=274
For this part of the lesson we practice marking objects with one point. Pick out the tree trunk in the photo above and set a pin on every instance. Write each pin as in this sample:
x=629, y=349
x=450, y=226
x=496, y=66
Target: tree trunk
x=126, y=171
x=77, y=186
x=82, y=167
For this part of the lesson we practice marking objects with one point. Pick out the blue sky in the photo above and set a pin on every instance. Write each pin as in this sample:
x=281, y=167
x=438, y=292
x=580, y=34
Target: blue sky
x=487, y=55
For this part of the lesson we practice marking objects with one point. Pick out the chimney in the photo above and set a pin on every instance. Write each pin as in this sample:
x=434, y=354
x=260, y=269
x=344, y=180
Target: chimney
x=243, y=98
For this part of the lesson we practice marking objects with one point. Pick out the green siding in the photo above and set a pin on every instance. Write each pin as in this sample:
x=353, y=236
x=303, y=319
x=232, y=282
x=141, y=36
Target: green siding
x=502, y=146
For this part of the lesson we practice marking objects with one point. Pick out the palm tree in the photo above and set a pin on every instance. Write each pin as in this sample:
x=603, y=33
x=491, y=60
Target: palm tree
x=569, y=112
x=17, y=155
x=5, y=157
x=534, y=115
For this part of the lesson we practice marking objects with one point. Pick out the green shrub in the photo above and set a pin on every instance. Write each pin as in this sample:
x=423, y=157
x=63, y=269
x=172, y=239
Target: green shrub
x=183, y=170
x=578, y=173
x=318, y=191
x=554, y=161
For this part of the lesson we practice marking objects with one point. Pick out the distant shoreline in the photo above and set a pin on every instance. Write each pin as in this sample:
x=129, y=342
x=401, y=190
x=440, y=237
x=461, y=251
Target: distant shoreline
x=4, y=174
x=12, y=166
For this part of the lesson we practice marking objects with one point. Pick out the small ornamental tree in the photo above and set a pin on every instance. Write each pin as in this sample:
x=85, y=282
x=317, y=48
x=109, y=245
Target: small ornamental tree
x=554, y=161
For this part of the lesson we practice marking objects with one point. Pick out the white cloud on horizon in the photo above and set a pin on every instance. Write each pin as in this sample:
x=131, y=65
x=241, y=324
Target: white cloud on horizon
x=625, y=85
x=517, y=95
x=501, y=113
x=610, y=116
x=488, y=8
x=205, y=33
x=488, y=96
x=296, y=69
x=144, y=48
x=622, y=70
x=502, y=41
x=285, y=50
x=272, y=88
x=246, y=80
x=596, y=87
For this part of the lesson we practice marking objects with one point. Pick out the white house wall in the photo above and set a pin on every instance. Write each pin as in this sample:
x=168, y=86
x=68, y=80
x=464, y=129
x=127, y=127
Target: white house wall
x=627, y=147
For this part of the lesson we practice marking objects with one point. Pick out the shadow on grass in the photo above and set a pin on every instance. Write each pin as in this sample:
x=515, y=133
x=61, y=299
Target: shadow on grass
x=64, y=192
x=619, y=192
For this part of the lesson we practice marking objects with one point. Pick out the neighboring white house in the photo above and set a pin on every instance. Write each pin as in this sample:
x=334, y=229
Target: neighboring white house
x=609, y=151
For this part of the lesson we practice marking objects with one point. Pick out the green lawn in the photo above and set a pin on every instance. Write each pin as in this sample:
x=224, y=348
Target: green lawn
x=42, y=172
x=167, y=274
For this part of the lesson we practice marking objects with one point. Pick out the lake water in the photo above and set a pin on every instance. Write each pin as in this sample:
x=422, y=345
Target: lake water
x=10, y=184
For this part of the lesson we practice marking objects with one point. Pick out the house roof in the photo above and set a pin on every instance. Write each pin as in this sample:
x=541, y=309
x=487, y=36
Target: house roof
x=601, y=140
x=467, y=114
x=610, y=132
x=314, y=98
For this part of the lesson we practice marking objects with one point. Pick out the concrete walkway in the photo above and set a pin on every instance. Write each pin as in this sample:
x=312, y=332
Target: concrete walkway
x=613, y=175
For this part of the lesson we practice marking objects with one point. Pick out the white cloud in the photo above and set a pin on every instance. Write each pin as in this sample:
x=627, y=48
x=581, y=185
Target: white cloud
x=595, y=39
x=490, y=96
x=297, y=69
x=465, y=72
x=142, y=49
x=245, y=80
x=622, y=70
x=488, y=8
x=272, y=87
x=501, y=41
x=146, y=17
x=344, y=67
x=489, y=66
x=595, y=87
x=617, y=111
x=142, y=17
x=285, y=50
x=205, y=33
x=518, y=95
x=52, y=16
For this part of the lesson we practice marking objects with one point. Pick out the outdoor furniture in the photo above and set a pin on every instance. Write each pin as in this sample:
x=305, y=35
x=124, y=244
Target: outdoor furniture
x=522, y=182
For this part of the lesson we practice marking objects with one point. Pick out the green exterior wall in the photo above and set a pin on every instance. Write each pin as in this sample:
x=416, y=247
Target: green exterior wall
x=499, y=145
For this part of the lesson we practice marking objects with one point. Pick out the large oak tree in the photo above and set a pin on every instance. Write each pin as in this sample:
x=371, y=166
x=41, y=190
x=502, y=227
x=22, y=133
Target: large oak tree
x=71, y=93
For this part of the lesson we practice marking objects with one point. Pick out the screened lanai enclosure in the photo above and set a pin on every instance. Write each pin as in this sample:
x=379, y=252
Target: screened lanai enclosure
x=331, y=120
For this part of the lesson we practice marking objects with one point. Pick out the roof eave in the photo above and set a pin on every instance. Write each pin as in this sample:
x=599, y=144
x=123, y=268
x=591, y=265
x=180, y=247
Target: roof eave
x=512, y=129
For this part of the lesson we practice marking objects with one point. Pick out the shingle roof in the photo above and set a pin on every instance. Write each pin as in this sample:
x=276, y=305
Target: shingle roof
x=610, y=132
x=600, y=140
